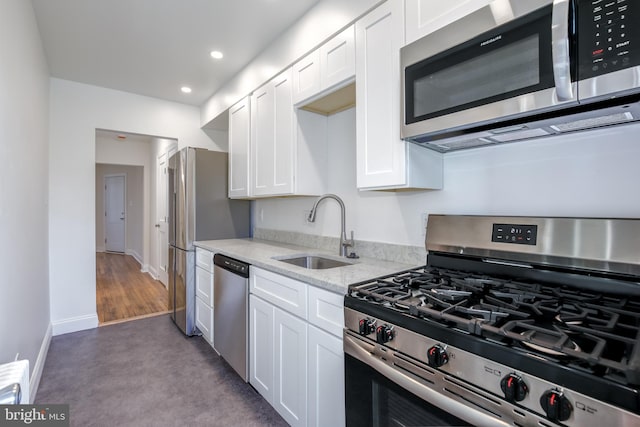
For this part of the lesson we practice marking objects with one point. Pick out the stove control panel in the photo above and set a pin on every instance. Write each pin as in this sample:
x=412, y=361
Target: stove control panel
x=514, y=233
x=437, y=356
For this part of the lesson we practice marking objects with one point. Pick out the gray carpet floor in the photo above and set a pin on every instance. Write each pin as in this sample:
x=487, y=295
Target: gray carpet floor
x=146, y=373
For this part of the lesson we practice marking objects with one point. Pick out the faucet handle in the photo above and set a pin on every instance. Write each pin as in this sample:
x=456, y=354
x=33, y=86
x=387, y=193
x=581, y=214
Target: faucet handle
x=351, y=243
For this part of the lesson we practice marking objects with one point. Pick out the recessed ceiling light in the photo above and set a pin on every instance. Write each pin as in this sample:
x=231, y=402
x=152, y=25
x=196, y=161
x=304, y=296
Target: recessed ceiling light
x=216, y=54
x=185, y=89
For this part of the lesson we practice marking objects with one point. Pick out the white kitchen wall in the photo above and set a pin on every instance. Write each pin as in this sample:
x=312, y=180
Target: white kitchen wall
x=24, y=131
x=77, y=110
x=135, y=212
x=590, y=174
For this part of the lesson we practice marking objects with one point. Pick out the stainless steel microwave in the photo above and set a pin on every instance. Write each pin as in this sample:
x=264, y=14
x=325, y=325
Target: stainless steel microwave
x=509, y=70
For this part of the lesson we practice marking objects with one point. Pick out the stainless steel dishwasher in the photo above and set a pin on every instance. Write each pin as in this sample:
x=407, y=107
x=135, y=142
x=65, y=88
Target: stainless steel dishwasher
x=231, y=312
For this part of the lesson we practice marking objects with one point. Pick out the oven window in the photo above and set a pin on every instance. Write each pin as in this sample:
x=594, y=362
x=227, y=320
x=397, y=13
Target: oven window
x=374, y=401
x=510, y=68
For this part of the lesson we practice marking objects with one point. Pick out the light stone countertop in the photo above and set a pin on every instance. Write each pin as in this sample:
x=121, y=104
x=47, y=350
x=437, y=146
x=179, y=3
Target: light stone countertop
x=260, y=253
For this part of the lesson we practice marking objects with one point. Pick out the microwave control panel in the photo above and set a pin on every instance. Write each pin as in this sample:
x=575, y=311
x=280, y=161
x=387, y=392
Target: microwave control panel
x=608, y=36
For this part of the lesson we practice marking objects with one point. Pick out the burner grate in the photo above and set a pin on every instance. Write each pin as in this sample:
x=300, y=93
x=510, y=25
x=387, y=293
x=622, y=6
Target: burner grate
x=594, y=330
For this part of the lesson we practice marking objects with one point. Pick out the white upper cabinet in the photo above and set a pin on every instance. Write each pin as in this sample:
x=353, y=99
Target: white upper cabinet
x=384, y=161
x=288, y=147
x=329, y=67
x=239, y=142
x=338, y=59
x=425, y=16
x=306, y=77
x=272, y=137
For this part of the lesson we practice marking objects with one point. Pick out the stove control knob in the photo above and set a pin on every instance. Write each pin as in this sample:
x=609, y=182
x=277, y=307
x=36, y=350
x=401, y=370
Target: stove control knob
x=514, y=388
x=367, y=326
x=556, y=405
x=437, y=356
x=384, y=334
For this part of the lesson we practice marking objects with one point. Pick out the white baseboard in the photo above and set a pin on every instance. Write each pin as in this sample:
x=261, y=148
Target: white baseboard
x=38, y=367
x=75, y=324
x=152, y=272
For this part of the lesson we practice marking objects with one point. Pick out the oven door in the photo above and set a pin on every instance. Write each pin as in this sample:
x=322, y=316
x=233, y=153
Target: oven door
x=524, y=66
x=379, y=392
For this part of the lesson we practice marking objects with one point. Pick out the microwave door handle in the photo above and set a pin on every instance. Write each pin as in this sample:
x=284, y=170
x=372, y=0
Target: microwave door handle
x=560, y=50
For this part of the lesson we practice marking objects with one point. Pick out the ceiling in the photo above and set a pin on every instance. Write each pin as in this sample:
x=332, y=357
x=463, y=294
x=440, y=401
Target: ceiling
x=154, y=47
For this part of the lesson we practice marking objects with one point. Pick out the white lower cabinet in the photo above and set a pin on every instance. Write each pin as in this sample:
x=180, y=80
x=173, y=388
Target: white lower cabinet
x=204, y=293
x=326, y=379
x=296, y=364
x=278, y=359
x=261, y=355
x=290, y=358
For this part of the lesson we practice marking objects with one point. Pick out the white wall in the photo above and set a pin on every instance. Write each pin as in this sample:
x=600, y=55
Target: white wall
x=135, y=201
x=77, y=110
x=323, y=21
x=590, y=174
x=24, y=127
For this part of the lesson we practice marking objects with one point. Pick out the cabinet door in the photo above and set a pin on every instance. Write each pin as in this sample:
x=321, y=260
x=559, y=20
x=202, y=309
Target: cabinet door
x=283, y=144
x=290, y=398
x=204, y=285
x=426, y=16
x=326, y=379
x=380, y=151
x=261, y=355
x=338, y=59
x=262, y=139
x=306, y=77
x=239, y=142
x=204, y=319
x=272, y=138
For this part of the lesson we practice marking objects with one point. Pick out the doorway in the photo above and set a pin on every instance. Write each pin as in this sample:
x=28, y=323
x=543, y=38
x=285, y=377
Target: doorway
x=115, y=212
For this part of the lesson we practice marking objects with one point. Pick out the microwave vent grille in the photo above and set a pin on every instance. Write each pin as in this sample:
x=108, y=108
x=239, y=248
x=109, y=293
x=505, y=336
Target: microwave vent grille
x=518, y=135
x=594, y=122
x=462, y=143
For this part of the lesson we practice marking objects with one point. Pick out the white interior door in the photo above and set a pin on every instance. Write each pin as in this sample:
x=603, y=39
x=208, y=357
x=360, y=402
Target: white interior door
x=162, y=225
x=114, y=207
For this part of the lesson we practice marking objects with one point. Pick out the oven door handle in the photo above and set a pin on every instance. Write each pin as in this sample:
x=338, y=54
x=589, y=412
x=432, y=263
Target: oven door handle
x=362, y=351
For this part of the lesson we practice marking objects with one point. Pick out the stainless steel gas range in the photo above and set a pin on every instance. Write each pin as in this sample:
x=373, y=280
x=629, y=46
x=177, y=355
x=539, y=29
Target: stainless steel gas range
x=514, y=321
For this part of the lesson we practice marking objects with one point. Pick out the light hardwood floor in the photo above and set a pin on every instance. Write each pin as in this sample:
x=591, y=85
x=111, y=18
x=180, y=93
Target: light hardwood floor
x=123, y=292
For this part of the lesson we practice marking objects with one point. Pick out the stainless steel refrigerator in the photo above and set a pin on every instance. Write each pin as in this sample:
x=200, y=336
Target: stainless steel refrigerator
x=199, y=209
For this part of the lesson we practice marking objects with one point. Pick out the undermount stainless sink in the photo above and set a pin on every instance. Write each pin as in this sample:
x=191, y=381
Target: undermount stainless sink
x=313, y=262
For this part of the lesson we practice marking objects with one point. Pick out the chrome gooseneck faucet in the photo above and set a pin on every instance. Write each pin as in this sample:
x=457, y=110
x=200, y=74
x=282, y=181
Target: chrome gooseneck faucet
x=344, y=242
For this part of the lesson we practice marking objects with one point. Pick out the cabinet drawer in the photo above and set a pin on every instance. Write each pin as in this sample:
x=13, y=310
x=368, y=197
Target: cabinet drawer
x=283, y=292
x=326, y=310
x=204, y=259
x=204, y=320
x=204, y=285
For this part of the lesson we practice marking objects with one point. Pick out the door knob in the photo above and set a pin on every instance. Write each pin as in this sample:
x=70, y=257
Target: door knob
x=157, y=225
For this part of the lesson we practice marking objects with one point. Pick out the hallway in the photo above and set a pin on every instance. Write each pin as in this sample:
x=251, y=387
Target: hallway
x=123, y=292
